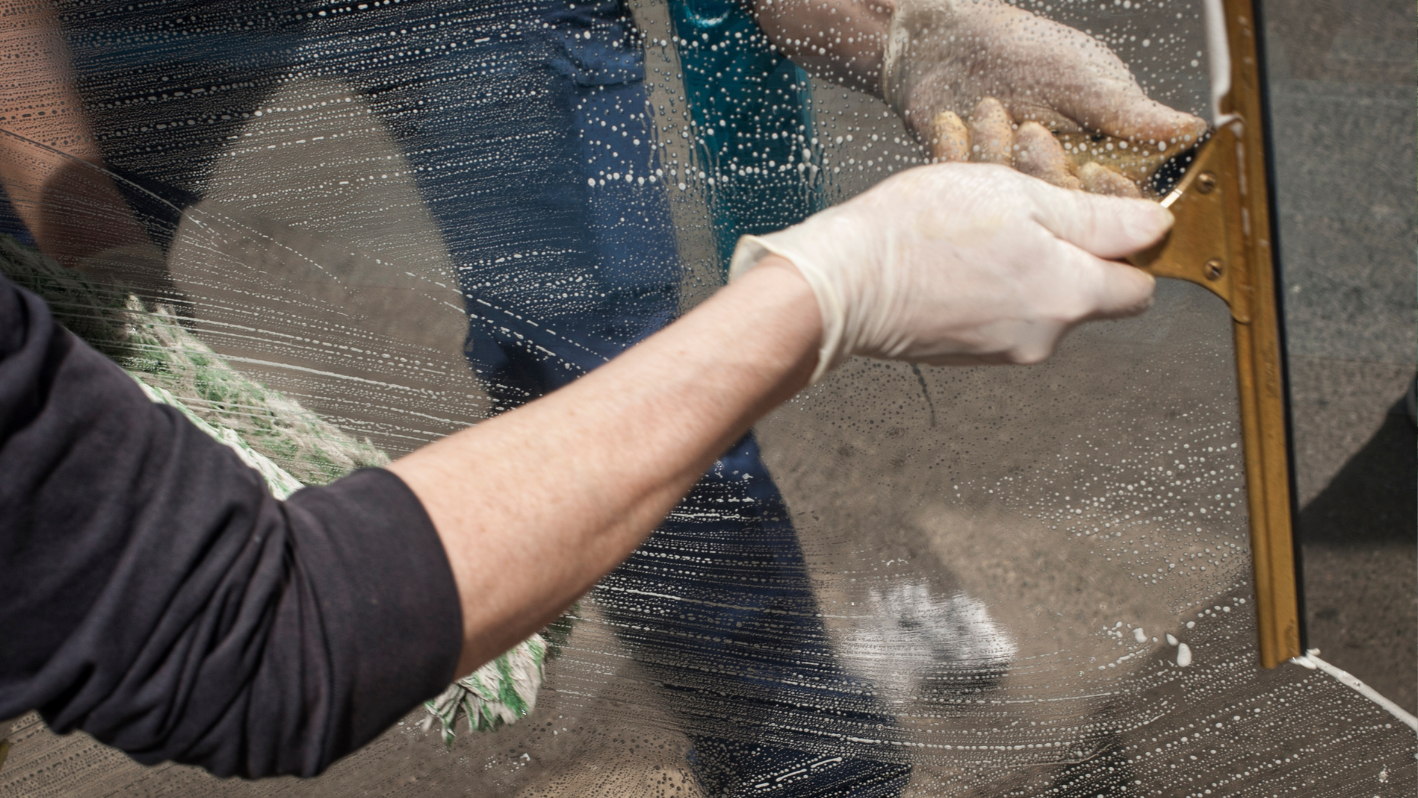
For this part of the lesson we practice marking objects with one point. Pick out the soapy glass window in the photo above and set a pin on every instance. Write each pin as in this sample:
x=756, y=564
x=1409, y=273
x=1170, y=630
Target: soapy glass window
x=345, y=230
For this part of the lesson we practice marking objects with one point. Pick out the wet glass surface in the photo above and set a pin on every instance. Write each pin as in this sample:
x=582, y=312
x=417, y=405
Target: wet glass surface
x=405, y=217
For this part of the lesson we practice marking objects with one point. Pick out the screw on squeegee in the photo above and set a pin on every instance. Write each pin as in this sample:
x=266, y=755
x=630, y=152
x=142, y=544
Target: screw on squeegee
x=1205, y=182
x=1214, y=268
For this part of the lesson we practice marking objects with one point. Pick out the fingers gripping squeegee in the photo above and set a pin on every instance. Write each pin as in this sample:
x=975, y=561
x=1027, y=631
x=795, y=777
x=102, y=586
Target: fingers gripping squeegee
x=1223, y=240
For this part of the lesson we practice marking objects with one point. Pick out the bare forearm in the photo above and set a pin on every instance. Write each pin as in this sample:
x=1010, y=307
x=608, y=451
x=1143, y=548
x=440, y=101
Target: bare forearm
x=538, y=504
x=840, y=40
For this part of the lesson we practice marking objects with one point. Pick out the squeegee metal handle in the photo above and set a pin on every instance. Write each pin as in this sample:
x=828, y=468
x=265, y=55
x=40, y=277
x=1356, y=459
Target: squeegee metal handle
x=1223, y=241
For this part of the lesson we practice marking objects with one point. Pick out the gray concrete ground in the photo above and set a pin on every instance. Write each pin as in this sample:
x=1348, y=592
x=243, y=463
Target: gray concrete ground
x=1342, y=91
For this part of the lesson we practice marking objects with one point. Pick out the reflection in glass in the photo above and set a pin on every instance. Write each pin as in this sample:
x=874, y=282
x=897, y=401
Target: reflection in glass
x=405, y=217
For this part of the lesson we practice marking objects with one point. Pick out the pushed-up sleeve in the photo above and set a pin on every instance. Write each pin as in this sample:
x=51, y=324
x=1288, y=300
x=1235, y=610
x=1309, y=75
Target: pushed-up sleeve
x=154, y=594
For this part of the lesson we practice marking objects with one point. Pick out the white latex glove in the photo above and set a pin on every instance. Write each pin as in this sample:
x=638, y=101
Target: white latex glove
x=964, y=264
x=949, y=55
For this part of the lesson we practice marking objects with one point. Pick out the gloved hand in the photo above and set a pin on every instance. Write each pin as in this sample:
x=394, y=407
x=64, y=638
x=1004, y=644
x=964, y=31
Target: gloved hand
x=964, y=264
x=946, y=59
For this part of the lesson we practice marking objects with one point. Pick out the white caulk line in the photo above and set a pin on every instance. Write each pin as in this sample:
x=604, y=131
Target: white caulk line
x=1311, y=660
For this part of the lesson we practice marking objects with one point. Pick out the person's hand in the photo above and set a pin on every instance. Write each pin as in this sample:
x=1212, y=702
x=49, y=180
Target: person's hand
x=964, y=264
x=970, y=76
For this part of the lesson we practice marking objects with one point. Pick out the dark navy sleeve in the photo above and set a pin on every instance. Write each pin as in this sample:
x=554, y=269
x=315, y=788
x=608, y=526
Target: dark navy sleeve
x=154, y=594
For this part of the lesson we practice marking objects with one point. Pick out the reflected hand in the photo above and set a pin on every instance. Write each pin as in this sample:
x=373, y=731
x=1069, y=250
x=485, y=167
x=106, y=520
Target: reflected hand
x=962, y=73
x=964, y=264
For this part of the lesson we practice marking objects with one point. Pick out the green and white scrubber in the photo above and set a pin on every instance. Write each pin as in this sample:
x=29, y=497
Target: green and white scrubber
x=290, y=446
x=498, y=693
x=281, y=483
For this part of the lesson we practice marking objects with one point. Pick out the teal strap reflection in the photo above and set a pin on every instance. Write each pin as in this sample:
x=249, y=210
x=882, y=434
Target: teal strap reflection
x=753, y=111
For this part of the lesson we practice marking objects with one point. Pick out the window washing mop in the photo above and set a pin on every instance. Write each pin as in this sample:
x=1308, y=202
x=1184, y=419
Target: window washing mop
x=290, y=446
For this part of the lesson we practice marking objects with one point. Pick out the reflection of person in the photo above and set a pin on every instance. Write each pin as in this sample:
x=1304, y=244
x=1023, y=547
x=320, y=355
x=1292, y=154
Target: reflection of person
x=630, y=290
x=593, y=83
x=739, y=85
x=927, y=57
